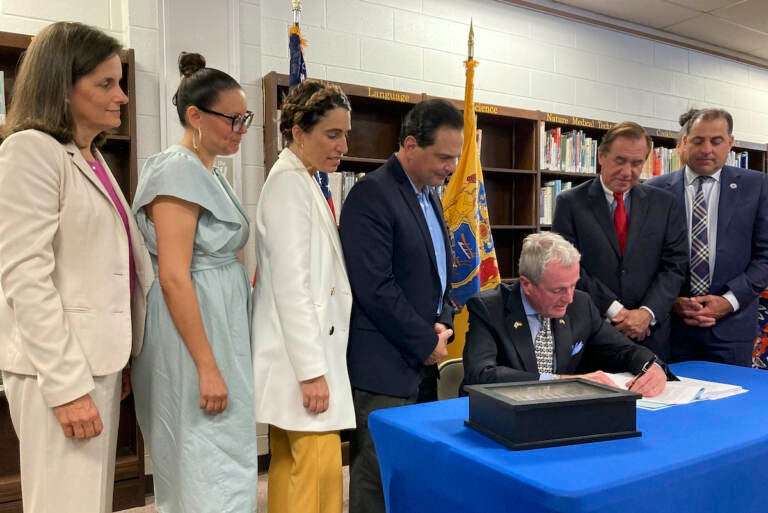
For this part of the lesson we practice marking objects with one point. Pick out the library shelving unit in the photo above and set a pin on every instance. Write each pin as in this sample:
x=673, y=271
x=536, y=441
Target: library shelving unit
x=595, y=128
x=512, y=142
x=508, y=141
x=119, y=151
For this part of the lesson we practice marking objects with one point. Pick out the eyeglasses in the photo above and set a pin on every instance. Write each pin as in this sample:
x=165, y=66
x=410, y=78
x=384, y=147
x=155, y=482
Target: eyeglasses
x=238, y=121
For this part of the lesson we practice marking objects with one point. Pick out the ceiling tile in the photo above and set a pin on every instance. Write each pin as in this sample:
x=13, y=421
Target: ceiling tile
x=704, y=5
x=719, y=32
x=752, y=13
x=651, y=13
x=762, y=53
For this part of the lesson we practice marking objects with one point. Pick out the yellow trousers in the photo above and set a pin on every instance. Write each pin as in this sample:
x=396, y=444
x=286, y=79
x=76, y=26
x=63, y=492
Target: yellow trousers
x=304, y=472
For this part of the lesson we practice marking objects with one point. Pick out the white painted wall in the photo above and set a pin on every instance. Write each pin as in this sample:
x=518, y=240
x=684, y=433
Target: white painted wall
x=527, y=59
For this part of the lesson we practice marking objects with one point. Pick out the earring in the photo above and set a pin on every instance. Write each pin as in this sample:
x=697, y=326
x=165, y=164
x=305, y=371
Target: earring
x=196, y=144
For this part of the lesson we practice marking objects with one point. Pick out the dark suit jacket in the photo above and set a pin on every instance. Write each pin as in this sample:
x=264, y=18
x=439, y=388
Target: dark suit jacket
x=393, y=272
x=741, y=260
x=655, y=262
x=499, y=347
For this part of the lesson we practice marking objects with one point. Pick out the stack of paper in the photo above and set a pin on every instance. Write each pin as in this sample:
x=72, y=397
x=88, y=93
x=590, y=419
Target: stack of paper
x=685, y=391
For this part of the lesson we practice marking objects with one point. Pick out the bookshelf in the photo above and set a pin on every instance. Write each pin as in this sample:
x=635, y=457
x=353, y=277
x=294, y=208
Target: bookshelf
x=513, y=143
x=119, y=151
x=594, y=128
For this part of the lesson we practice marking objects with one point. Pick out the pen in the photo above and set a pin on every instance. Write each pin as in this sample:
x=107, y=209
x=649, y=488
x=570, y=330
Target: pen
x=646, y=368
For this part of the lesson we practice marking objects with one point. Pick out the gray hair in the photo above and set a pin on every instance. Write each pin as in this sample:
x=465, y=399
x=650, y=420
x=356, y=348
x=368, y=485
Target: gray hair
x=541, y=248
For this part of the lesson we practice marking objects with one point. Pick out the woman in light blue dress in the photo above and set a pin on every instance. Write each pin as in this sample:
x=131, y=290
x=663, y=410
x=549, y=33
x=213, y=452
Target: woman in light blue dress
x=193, y=379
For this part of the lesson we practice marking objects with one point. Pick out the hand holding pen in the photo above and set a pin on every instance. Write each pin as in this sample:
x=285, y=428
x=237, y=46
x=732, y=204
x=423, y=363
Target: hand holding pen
x=650, y=381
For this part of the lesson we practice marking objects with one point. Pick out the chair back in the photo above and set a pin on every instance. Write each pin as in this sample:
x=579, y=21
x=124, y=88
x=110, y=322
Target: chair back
x=451, y=372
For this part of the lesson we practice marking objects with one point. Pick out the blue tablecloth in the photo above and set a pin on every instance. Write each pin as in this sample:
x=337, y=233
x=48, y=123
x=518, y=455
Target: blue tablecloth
x=708, y=456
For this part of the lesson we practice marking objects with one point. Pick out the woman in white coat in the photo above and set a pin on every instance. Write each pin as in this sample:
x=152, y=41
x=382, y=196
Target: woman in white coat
x=302, y=303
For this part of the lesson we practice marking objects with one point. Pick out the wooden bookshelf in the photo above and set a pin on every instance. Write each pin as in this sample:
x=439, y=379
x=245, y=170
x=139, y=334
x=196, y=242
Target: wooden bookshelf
x=120, y=153
x=510, y=153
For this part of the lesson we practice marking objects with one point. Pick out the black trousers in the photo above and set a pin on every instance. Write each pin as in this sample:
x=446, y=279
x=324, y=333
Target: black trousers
x=366, y=494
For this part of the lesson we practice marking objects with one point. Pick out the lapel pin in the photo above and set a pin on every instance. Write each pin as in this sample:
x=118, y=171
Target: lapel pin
x=733, y=186
x=562, y=321
x=517, y=324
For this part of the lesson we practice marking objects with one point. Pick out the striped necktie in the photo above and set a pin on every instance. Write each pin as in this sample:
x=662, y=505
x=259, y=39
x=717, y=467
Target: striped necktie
x=699, y=242
x=544, y=346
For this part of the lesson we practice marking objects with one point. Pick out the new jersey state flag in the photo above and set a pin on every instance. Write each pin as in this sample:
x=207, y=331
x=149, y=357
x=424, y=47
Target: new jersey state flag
x=466, y=212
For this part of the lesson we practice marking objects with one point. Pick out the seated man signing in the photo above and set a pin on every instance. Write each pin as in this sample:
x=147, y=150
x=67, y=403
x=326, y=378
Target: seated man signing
x=543, y=328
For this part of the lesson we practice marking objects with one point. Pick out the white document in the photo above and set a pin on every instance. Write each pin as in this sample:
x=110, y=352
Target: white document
x=713, y=390
x=684, y=391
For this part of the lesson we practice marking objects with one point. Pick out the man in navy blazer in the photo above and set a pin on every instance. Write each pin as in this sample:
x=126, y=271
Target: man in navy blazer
x=504, y=323
x=632, y=286
x=398, y=258
x=720, y=325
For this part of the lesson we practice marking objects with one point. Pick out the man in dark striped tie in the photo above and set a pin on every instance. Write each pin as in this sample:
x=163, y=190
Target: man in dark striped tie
x=727, y=212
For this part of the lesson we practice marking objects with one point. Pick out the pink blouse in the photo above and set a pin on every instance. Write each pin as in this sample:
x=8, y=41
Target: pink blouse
x=101, y=173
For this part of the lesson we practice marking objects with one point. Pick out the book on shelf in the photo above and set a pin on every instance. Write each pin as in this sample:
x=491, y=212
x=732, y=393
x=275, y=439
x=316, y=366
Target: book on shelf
x=738, y=159
x=661, y=161
x=550, y=190
x=570, y=152
x=340, y=183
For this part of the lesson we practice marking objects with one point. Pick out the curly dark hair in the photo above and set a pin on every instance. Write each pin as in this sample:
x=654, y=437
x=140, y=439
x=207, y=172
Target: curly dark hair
x=307, y=103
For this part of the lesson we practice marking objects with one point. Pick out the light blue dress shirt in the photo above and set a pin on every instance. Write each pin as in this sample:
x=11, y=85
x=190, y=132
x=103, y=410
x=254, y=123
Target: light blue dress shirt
x=436, y=234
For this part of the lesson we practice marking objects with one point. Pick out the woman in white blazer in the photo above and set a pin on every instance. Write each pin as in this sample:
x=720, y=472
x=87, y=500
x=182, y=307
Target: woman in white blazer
x=73, y=271
x=302, y=304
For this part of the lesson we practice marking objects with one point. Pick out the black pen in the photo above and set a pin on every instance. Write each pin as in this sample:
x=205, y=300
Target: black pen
x=646, y=367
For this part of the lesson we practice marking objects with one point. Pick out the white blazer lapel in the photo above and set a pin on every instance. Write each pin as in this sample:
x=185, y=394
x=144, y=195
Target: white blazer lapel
x=327, y=220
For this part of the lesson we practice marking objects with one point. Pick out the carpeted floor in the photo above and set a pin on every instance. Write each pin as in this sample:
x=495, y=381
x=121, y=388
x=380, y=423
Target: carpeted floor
x=262, y=508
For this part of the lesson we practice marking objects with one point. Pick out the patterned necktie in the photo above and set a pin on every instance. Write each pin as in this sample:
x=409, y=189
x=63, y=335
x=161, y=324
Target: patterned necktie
x=620, y=220
x=544, y=346
x=699, y=243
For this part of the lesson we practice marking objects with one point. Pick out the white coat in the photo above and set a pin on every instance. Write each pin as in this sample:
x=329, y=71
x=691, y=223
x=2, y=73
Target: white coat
x=302, y=303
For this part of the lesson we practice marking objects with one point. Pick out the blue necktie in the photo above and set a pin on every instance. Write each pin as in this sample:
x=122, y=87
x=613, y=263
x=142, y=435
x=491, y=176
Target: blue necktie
x=699, y=243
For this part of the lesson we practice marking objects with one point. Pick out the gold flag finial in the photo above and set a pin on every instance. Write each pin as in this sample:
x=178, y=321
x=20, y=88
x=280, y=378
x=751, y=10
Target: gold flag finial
x=471, y=42
x=296, y=8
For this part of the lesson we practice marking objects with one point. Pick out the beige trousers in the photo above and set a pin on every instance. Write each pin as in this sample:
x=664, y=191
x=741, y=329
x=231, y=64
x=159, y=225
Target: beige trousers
x=59, y=474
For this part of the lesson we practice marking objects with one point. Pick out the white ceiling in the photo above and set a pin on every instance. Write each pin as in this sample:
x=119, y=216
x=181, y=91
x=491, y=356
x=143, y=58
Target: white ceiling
x=737, y=25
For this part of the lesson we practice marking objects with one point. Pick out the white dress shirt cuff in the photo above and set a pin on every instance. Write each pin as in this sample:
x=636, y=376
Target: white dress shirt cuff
x=731, y=298
x=653, y=317
x=613, y=310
